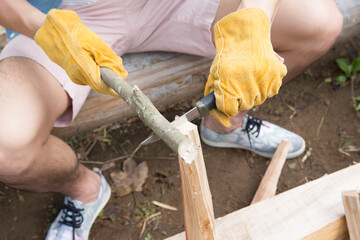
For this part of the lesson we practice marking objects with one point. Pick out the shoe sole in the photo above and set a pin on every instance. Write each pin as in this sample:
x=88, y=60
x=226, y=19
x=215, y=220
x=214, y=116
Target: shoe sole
x=266, y=155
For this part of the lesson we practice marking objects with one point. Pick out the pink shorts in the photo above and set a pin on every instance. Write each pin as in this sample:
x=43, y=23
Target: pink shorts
x=129, y=26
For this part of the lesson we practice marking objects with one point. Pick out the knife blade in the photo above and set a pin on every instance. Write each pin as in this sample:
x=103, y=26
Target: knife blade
x=201, y=109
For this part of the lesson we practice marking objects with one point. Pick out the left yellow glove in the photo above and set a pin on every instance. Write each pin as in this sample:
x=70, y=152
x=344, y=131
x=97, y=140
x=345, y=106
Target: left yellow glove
x=245, y=70
x=78, y=50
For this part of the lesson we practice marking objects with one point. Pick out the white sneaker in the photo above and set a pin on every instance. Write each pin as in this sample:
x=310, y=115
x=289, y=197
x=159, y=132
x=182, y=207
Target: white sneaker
x=75, y=219
x=255, y=135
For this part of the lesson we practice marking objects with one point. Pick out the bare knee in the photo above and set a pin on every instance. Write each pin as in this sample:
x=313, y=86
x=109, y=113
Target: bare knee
x=19, y=149
x=324, y=26
x=306, y=27
x=22, y=132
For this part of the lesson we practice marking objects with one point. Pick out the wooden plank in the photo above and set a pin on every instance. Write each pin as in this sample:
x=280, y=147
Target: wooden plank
x=268, y=184
x=336, y=230
x=197, y=200
x=351, y=201
x=292, y=215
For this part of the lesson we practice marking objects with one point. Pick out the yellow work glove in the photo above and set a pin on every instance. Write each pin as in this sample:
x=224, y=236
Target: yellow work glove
x=78, y=50
x=245, y=70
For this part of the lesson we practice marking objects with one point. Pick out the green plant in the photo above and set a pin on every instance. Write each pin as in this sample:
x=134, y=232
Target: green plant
x=347, y=143
x=148, y=237
x=349, y=68
x=127, y=141
x=72, y=142
x=113, y=148
x=123, y=131
x=145, y=210
x=206, y=156
x=349, y=72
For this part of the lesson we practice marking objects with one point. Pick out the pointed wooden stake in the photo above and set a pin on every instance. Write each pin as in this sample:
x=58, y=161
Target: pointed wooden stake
x=197, y=200
x=268, y=184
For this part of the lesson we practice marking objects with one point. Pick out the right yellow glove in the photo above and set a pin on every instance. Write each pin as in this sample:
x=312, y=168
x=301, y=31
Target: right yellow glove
x=245, y=70
x=78, y=50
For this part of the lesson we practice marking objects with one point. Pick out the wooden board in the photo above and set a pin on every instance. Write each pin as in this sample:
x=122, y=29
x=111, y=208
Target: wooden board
x=351, y=201
x=336, y=230
x=197, y=200
x=292, y=215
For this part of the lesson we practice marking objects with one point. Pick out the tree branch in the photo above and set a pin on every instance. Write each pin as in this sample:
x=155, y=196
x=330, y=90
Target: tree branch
x=150, y=115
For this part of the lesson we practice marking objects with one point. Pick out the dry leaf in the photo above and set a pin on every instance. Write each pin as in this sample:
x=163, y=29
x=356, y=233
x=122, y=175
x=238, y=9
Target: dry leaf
x=130, y=179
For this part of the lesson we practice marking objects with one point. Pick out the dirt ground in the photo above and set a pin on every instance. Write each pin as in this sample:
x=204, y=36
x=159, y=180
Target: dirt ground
x=320, y=112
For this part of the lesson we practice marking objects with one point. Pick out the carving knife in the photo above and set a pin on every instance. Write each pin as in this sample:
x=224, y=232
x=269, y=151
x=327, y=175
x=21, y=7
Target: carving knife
x=201, y=109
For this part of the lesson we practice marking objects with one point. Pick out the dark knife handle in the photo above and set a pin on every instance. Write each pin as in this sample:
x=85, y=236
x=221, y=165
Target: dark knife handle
x=206, y=104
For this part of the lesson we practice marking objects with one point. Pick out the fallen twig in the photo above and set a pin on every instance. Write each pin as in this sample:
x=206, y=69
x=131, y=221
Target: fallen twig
x=165, y=206
x=292, y=109
x=136, y=149
x=345, y=153
x=105, y=162
x=142, y=229
x=319, y=127
x=90, y=148
x=145, y=222
x=307, y=155
x=292, y=115
x=152, y=216
x=146, y=157
x=92, y=162
x=304, y=179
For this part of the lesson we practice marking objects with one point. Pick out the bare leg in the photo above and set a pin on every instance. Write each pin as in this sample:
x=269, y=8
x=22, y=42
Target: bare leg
x=30, y=158
x=302, y=32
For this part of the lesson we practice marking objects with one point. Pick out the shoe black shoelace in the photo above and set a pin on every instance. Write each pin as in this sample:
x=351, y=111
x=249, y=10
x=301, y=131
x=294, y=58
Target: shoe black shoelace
x=71, y=216
x=253, y=125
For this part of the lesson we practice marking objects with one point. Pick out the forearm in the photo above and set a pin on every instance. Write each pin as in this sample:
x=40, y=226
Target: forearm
x=20, y=16
x=269, y=7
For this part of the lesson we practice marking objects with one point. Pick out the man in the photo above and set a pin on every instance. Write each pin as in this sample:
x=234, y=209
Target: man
x=36, y=92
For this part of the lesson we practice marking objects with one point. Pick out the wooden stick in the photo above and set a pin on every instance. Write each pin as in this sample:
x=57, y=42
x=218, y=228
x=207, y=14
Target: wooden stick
x=351, y=201
x=268, y=184
x=197, y=200
x=150, y=115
